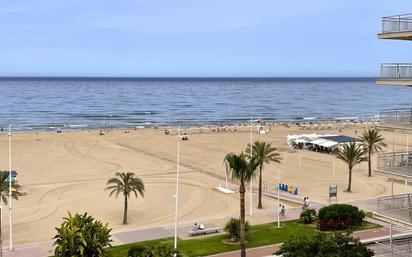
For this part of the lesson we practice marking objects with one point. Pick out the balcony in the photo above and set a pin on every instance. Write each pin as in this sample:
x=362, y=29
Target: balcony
x=396, y=27
x=396, y=118
x=395, y=74
x=397, y=165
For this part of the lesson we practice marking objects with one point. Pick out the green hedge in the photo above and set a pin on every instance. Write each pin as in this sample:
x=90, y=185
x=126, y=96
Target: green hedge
x=340, y=217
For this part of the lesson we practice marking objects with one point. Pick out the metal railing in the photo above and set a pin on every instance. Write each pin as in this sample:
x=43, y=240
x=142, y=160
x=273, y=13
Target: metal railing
x=396, y=71
x=397, y=206
x=396, y=23
x=396, y=117
x=399, y=163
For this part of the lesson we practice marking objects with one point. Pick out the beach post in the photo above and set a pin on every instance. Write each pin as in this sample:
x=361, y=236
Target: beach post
x=277, y=206
x=10, y=201
x=300, y=162
x=333, y=167
x=177, y=187
x=284, y=158
x=407, y=142
x=251, y=181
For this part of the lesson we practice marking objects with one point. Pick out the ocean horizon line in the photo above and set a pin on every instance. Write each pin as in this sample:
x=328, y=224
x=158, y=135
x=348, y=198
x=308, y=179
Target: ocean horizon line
x=188, y=78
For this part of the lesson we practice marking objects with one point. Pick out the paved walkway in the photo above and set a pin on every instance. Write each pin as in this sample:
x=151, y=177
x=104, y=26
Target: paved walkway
x=124, y=237
x=26, y=251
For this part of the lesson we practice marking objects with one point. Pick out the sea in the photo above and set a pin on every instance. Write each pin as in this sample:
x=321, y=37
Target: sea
x=87, y=103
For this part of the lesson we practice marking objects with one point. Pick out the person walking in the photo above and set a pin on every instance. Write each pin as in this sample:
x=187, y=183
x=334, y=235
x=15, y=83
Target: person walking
x=280, y=210
x=307, y=202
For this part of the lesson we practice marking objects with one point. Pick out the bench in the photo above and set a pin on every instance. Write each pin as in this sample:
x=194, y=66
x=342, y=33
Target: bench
x=204, y=231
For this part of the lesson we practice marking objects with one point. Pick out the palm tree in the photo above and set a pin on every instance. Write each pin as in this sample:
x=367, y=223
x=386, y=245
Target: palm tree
x=352, y=154
x=4, y=191
x=125, y=183
x=374, y=142
x=264, y=153
x=242, y=170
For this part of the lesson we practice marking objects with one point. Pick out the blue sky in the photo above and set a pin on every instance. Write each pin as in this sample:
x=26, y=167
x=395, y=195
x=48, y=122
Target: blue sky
x=197, y=37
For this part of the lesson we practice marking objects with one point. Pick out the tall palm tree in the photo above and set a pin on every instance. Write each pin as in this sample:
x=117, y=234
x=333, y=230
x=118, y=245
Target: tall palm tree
x=4, y=191
x=352, y=154
x=264, y=153
x=125, y=183
x=242, y=170
x=373, y=142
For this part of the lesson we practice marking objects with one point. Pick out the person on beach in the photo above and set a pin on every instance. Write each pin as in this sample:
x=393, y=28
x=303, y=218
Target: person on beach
x=280, y=209
x=304, y=202
x=282, y=212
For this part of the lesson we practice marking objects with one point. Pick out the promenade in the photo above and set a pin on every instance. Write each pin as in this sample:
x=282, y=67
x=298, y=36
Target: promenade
x=137, y=235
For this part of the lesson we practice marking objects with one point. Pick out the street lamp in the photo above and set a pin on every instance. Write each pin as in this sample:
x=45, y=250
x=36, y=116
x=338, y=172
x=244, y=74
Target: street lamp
x=251, y=181
x=177, y=186
x=278, y=190
x=10, y=207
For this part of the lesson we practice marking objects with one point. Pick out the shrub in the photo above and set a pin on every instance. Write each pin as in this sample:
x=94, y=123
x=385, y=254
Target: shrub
x=324, y=244
x=137, y=251
x=233, y=229
x=339, y=217
x=307, y=215
x=81, y=236
x=161, y=250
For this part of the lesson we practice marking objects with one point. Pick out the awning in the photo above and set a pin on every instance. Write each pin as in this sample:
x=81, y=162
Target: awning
x=323, y=142
x=329, y=144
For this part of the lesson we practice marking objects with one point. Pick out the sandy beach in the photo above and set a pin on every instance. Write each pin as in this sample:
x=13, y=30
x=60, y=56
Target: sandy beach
x=68, y=172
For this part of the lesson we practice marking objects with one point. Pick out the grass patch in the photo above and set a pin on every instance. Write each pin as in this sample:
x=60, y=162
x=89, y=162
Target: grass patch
x=259, y=235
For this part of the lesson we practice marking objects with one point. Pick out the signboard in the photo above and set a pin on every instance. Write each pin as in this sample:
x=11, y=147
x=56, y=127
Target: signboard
x=333, y=192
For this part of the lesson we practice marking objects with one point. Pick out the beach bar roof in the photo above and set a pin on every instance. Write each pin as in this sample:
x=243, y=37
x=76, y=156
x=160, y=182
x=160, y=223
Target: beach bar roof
x=327, y=141
x=340, y=139
x=324, y=142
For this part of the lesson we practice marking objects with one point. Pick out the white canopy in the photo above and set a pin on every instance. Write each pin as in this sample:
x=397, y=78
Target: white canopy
x=329, y=143
x=323, y=142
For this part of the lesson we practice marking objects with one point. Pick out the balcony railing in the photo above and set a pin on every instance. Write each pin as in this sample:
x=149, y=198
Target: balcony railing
x=396, y=118
x=396, y=23
x=396, y=71
x=399, y=163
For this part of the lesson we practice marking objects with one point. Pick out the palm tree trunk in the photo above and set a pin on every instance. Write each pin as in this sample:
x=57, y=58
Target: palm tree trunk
x=370, y=164
x=350, y=181
x=125, y=210
x=260, y=188
x=242, y=220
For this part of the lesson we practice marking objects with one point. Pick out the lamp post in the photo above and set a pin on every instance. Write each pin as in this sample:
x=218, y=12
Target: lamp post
x=278, y=180
x=251, y=181
x=10, y=206
x=177, y=186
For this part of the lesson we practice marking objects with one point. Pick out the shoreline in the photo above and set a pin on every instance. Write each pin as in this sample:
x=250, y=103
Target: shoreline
x=298, y=122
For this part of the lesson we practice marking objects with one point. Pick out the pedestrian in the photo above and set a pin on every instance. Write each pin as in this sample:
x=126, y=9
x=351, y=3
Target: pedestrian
x=307, y=202
x=283, y=210
x=304, y=202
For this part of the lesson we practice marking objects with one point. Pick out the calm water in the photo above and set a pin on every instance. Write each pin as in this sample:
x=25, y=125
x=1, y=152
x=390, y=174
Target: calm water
x=44, y=103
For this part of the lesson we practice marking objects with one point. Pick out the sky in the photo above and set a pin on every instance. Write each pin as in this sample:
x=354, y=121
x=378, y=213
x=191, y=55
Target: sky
x=165, y=38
